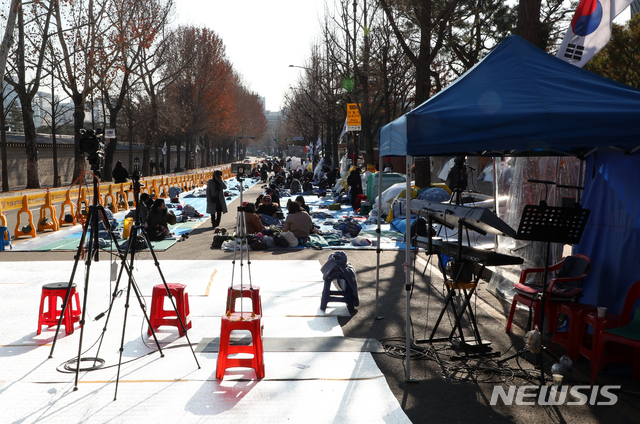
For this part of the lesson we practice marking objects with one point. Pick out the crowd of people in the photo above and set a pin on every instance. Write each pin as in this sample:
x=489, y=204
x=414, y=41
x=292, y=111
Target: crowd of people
x=267, y=211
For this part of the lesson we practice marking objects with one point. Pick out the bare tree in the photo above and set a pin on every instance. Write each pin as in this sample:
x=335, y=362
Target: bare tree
x=135, y=27
x=25, y=76
x=82, y=28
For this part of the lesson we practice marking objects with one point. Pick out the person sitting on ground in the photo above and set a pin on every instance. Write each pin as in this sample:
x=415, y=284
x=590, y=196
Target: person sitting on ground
x=158, y=221
x=119, y=173
x=322, y=185
x=298, y=221
x=275, y=195
x=269, y=208
x=303, y=205
x=258, y=201
x=145, y=204
x=307, y=187
x=296, y=187
x=254, y=224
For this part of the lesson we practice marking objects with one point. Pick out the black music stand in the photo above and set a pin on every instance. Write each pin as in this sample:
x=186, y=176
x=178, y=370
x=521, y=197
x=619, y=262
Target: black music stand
x=551, y=224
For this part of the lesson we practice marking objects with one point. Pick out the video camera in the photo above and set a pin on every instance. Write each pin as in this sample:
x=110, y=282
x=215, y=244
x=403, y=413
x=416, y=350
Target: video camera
x=93, y=146
x=458, y=178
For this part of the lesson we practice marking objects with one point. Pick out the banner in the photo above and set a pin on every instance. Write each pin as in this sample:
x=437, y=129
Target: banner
x=344, y=130
x=589, y=30
x=164, y=148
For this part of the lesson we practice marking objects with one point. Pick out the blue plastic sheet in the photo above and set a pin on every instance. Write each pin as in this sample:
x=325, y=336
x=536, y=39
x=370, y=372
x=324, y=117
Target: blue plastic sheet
x=612, y=235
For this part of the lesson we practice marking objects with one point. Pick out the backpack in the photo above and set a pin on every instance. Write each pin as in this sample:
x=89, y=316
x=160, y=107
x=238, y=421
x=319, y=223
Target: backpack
x=280, y=241
x=351, y=228
x=218, y=239
x=258, y=243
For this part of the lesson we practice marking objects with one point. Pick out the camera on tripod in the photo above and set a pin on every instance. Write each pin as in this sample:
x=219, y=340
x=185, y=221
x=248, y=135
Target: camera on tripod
x=93, y=146
x=458, y=178
x=240, y=169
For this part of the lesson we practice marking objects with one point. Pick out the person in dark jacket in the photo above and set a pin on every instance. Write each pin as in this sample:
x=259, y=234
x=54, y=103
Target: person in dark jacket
x=159, y=219
x=120, y=173
x=303, y=205
x=355, y=182
x=332, y=177
x=269, y=208
x=216, y=204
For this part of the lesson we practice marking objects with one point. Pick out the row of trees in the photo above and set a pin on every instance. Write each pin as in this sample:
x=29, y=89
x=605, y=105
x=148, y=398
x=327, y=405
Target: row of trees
x=159, y=84
x=389, y=56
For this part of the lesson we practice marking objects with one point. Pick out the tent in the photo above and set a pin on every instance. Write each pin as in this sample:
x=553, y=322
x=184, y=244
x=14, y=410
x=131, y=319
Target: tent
x=521, y=101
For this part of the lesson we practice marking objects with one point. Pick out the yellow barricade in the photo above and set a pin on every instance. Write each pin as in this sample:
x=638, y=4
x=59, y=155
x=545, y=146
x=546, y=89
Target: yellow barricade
x=82, y=206
x=28, y=230
x=67, y=203
x=48, y=222
x=111, y=197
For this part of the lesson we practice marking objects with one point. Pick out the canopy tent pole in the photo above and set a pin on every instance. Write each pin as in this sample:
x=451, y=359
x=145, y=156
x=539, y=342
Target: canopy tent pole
x=407, y=272
x=378, y=251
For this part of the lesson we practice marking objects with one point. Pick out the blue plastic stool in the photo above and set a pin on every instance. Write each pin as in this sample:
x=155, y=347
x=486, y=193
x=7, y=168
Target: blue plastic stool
x=329, y=295
x=5, y=238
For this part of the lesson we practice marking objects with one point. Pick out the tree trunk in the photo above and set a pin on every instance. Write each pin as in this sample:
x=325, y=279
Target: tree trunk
x=78, y=124
x=30, y=143
x=168, y=164
x=178, y=169
x=529, y=21
x=3, y=149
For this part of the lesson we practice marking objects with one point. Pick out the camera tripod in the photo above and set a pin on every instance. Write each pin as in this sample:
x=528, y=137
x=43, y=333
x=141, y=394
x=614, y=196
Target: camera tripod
x=241, y=235
x=95, y=211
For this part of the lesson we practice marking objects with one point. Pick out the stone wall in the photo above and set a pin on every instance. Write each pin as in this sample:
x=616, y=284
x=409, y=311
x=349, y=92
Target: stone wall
x=17, y=162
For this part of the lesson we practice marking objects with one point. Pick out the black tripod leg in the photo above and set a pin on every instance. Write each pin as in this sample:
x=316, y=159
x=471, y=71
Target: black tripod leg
x=166, y=286
x=92, y=220
x=114, y=295
x=67, y=297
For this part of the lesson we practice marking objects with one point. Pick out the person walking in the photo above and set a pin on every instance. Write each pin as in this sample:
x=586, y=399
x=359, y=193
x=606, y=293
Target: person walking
x=216, y=204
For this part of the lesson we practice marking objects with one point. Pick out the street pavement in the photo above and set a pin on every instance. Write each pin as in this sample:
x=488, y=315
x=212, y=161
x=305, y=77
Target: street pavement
x=438, y=388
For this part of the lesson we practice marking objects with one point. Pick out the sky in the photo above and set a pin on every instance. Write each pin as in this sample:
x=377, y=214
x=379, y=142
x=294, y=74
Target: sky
x=262, y=38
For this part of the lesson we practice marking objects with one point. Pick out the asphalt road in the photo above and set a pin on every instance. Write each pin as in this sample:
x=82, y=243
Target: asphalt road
x=441, y=390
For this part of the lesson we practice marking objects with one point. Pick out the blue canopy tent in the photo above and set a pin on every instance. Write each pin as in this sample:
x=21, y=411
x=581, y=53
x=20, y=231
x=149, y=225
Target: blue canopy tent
x=521, y=101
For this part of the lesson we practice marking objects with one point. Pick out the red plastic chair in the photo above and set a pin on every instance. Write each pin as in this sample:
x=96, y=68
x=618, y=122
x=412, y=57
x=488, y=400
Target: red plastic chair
x=627, y=333
x=553, y=301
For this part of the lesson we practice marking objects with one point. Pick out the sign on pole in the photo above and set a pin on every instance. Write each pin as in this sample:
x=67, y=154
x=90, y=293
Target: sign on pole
x=109, y=133
x=354, y=122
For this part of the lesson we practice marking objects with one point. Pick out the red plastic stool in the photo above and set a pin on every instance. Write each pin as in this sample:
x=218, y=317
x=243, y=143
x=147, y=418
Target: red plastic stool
x=234, y=293
x=589, y=342
x=50, y=294
x=237, y=321
x=572, y=339
x=160, y=316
